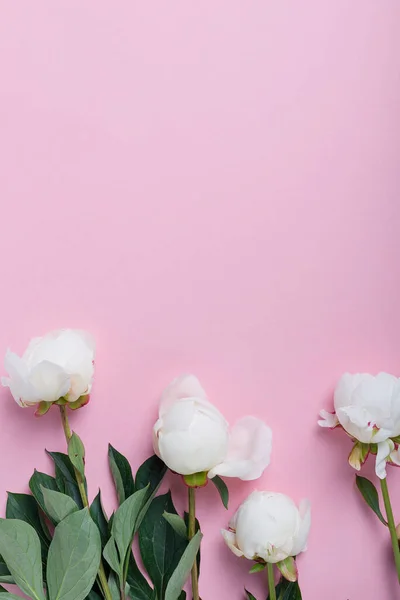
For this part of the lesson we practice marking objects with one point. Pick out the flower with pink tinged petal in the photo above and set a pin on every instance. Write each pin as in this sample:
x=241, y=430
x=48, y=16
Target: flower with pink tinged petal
x=367, y=407
x=269, y=527
x=57, y=367
x=192, y=436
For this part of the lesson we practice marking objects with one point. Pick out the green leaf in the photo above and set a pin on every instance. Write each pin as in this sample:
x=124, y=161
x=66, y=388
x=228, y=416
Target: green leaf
x=161, y=548
x=177, y=523
x=113, y=586
x=7, y=596
x=288, y=590
x=20, y=548
x=125, y=519
x=93, y=596
x=100, y=518
x=249, y=595
x=257, y=568
x=181, y=573
x=76, y=453
x=222, y=489
x=139, y=589
x=110, y=553
x=65, y=476
x=37, y=482
x=25, y=508
x=5, y=575
x=288, y=568
x=196, y=529
x=122, y=474
x=74, y=557
x=58, y=505
x=370, y=495
x=150, y=472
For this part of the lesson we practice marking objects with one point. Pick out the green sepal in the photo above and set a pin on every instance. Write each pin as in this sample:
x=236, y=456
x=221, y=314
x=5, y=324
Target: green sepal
x=82, y=401
x=61, y=402
x=288, y=568
x=358, y=455
x=43, y=408
x=257, y=568
x=196, y=479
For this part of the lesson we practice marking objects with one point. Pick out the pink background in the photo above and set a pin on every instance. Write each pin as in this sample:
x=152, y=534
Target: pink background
x=209, y=187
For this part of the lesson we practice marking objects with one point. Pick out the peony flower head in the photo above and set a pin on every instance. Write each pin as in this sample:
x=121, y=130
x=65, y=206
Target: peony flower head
x=192, y=436
x=367, y=407
x=269, y=527
x=55, y=367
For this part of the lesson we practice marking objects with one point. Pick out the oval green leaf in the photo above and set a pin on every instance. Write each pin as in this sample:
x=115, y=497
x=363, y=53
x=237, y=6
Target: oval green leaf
x=58, y=505
x=76, y=453
x=100, y=518
x=121, y=473
x=25, y=508
x=161, y=548
x=150, y=473
x=288, y=590
x=20, y=549
x=370, y=495
x=39, y=480
x=181, y=573
x=222, y=489
x=177, y=523
x=124, y=522
x=66, y=477
x=74, y=557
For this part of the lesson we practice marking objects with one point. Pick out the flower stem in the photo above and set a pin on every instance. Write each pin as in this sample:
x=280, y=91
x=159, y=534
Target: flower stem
x=191, y=533
x=271, y=582
x=391, y=525
x=82, y=490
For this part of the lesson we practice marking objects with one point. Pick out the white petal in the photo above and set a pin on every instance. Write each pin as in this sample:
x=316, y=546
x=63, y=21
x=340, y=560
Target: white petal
x=156, y=431
x=300, y=540
x=185, y=386
x=78, y=387
x=21, y=389
x=395, y=456
x=249, y=452
x=328, y=419
x=230, y=540
x=50, y=381
x=190, y=445
x=384, y=450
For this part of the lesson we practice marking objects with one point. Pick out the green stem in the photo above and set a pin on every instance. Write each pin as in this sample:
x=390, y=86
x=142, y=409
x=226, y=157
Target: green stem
x=391, y=525
x=271, y=582
x=82, y=490
x=191, y=533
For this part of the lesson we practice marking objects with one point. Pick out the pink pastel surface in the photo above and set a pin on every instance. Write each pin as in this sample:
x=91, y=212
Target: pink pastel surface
x=209, y=187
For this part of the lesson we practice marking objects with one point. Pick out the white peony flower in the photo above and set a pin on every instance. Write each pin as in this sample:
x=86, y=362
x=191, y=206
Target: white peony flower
x=191, y=435
x=269, y=527
x=368, y=409
x=56, y=366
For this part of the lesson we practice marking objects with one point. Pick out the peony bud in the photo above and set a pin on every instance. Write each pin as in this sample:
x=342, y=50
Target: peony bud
x=368, y=409
x=55, y=368
x=191, y=436
x=270, y=527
